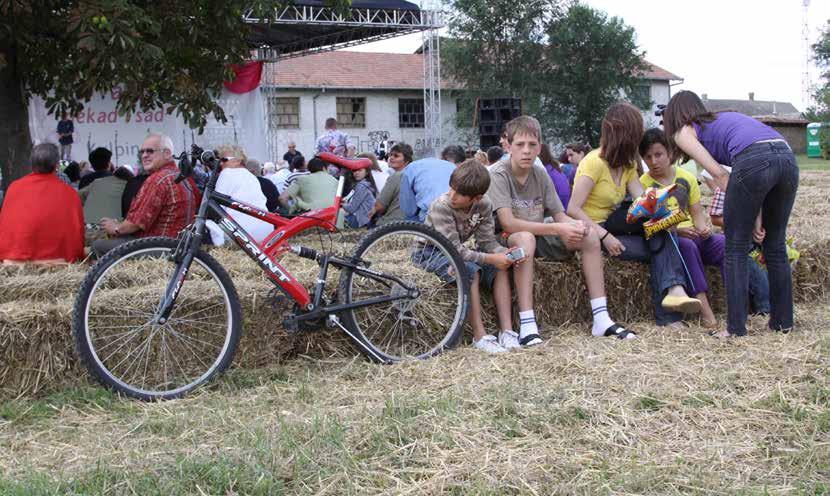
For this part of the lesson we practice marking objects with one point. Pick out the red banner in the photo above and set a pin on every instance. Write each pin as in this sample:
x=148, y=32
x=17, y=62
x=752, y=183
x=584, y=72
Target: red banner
x=248, y=76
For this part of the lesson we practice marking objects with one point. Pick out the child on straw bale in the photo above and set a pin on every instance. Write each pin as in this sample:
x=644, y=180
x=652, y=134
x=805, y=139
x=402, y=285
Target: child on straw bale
x=464, y=212
x=603, y=179
x=698, y=245
x=523, y=195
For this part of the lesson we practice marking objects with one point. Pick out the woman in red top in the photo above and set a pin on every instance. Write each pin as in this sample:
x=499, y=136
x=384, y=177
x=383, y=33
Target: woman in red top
x=42, y=219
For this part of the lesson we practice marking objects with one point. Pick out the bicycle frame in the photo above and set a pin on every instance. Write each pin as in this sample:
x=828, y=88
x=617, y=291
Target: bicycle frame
x=274, y=245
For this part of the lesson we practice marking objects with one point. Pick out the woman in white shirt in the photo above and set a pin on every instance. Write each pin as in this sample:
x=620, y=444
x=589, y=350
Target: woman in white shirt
x=238, y=183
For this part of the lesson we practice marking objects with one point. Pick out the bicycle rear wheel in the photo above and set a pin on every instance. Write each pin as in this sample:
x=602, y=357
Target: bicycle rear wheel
x=119, y=339
x=413, y=327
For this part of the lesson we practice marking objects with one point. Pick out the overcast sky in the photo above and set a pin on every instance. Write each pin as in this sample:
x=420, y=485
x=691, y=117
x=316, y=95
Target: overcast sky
x=725, y=48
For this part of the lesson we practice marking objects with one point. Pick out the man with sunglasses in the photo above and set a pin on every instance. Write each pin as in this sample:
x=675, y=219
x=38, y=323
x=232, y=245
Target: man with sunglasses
x=162, y=207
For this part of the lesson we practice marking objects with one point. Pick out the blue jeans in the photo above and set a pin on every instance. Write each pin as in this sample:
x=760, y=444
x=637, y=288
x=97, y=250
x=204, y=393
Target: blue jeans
x=758, y=288
x=764, y=176
x=433, y=260
x=665, y=266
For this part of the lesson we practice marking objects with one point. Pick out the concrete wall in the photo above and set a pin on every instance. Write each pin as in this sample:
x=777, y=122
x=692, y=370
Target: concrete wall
x=660, y=95
x=381, y=116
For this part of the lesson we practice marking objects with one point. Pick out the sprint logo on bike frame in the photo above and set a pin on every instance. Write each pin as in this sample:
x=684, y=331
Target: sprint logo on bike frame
x=254, y=250
x=248, y=209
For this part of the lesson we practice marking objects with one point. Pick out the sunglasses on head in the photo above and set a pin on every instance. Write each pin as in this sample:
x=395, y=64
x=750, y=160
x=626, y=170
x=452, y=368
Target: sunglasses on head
x=226, y=159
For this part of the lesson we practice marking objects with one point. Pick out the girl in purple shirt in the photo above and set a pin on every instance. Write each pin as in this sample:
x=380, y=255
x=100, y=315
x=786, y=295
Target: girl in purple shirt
x=764, y=179
x=560, y=180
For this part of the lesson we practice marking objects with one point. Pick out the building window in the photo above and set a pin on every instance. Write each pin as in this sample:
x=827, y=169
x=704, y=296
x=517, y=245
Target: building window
x=351, y=112
x=284, y=112
x=410, y=112
x=641, y=96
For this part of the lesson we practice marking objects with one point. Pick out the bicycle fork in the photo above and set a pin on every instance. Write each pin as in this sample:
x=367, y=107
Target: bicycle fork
x=183, y=256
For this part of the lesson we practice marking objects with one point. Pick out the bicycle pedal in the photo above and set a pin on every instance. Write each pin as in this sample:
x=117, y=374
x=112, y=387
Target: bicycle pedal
x=291, y=325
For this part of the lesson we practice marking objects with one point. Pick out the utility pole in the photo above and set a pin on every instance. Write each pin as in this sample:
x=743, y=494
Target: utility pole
x=806, y=94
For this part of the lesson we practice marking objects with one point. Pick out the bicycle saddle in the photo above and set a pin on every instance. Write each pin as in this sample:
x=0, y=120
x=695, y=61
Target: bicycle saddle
x=352, y=164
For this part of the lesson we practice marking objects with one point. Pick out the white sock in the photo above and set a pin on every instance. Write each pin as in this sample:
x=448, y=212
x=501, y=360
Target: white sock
x=527, y=324
x=602, y=320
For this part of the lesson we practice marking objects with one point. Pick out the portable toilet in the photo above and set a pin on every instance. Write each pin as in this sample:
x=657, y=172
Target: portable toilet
x=813, y=146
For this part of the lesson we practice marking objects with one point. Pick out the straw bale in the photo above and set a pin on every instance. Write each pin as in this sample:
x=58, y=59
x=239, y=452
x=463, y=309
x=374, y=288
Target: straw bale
x=37, y=355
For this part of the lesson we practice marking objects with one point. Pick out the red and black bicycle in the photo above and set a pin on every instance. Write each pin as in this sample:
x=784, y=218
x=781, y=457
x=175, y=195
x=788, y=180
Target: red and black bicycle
x=157, y=317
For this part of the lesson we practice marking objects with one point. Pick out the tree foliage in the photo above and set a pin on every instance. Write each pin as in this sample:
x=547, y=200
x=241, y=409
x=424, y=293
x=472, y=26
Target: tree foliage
x=594, y=60
x=821, y=111
x=496, y=46
x=567, y=61
x=173, y=53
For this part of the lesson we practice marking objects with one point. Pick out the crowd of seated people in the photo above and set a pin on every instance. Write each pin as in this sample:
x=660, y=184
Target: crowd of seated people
x=509, y=198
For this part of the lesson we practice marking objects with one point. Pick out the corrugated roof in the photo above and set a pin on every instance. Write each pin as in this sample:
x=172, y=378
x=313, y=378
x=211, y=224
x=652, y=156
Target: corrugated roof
x=755, y=108
x=367, y=70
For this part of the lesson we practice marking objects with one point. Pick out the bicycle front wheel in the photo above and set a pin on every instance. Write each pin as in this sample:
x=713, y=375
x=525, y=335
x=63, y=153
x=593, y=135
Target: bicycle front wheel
x=119, y=339
x=433, y=292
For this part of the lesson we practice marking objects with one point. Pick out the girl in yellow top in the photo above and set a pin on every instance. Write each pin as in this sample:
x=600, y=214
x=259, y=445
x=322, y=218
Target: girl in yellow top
x=698, y=245
x=603, y=178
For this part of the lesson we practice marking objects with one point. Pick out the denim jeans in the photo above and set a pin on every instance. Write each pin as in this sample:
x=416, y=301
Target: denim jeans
x=764, y=176
x=665, y=266
x=758, y=288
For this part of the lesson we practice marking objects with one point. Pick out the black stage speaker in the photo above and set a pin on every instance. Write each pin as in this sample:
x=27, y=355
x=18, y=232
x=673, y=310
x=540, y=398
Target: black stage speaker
x=493, y=114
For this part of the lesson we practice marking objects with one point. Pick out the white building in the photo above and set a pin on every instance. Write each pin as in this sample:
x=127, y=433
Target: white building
x=374, y=96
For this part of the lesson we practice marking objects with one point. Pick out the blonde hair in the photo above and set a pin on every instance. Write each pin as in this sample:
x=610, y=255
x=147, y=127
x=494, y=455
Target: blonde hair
x=233, y=151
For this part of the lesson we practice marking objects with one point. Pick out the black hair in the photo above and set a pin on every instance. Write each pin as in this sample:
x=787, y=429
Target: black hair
x=73, y=171
x=297, y=163
x=454, y=154
x=494, y=154
x=652, y=137
x=316, y=165
x=99, y=158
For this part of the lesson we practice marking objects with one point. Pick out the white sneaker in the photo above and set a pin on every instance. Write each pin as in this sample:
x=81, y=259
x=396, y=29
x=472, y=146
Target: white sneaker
x=509, y=340
x=489, y=344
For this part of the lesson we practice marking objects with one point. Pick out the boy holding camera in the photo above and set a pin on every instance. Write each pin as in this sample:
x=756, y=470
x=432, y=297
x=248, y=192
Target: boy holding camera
x=464, y=212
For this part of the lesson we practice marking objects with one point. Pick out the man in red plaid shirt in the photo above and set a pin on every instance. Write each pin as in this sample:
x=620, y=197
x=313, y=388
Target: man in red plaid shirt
x=162, y=207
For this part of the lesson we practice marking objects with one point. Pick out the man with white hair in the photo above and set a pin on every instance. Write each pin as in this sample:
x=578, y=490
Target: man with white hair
x=272, y=196
x=162, y=207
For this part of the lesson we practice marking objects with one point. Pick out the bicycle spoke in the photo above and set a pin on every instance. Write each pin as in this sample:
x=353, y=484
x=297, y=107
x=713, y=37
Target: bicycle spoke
x=139, y=355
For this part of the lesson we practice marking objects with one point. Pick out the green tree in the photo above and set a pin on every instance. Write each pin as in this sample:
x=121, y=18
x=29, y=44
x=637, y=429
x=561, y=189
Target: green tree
x=821, y=112
x=167, y=52
x=496, y=47
x=593, y=60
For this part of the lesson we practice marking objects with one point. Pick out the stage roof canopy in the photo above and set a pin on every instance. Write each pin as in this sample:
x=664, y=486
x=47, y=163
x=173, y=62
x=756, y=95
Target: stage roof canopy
x=308, y=26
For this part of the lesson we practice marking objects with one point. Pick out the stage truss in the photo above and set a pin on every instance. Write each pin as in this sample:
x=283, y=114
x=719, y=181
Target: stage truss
x=300, y=30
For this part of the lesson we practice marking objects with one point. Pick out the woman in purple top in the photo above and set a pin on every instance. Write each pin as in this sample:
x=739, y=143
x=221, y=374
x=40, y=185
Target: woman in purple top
x=764, y=179
x=560, y=180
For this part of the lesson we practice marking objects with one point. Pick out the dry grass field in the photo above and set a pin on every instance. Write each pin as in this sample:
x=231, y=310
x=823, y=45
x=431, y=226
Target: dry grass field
x=674, y=412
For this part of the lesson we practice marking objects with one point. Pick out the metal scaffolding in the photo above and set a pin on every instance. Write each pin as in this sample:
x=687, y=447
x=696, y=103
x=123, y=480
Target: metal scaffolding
x=432, y=86
x=299, y=30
